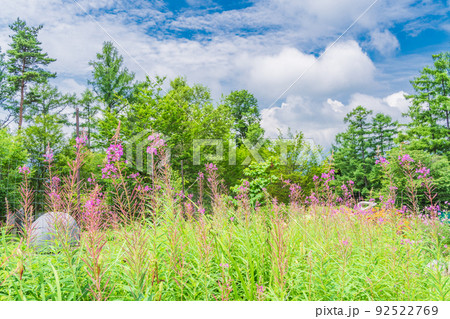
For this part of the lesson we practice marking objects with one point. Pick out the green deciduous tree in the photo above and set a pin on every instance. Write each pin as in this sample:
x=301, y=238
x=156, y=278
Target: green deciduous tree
x=244, y=109
x=26, y=62
x=183, y=115
x=46, y=118
x=44, y=99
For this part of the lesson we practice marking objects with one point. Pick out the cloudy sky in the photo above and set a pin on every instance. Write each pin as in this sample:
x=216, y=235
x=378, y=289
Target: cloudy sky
x=308, y=62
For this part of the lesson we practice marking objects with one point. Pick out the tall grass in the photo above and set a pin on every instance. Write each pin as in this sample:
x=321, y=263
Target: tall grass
x=152, y=242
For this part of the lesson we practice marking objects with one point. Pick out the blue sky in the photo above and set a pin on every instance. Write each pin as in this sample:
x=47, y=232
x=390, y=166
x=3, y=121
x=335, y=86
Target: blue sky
x=262, y=46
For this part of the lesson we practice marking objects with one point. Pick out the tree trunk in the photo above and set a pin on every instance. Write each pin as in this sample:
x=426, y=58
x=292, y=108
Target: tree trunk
x=22, y=96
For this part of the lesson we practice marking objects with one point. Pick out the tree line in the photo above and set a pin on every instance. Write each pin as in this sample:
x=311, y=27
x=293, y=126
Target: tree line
x=43, y=116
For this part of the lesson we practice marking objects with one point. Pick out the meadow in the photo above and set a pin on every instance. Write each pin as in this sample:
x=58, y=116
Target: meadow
x=147, y=240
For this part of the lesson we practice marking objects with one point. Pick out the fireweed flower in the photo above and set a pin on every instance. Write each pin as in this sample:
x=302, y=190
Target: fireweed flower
x=381, y=160
x=405, y=159
x=423, y=172
x=24, y=170
x=211, y=167
x=133, y=176
x=80, y=141
x=109, y=171
x=48, y=155
x=114, y=152
x=345, y=242
x=260, y=289
x=156, y=143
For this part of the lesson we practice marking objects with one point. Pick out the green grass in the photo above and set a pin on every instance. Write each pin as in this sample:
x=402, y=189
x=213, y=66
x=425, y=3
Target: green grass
x=292, y=255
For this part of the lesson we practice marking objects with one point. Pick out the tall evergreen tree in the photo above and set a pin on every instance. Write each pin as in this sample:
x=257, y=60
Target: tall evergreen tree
x=88, y=109
x=6, y=98
x=43, y=99
x=353, y=152
x=111, y=81
x=383, y=132
x=26, y=62
x=429, y=128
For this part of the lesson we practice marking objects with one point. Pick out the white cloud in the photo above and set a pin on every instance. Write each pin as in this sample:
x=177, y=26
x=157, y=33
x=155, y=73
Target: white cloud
x=302, y=114
x=336, y=105
x=384, y=42
x=345, y=66
x=398, y=100
x=321, y=121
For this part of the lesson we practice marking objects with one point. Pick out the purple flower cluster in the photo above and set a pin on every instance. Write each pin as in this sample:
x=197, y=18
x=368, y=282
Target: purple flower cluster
x=109, y=171
x=423, y=172
x=134, y=176
x=405, y=159
x=114, y=152
x=381, y=160
x=211, y=167
x=145, y=188
x=48, y=155
x=345, y=242
x=80, y=141
x=326, y=177
x=156, y=143
x=24, y=170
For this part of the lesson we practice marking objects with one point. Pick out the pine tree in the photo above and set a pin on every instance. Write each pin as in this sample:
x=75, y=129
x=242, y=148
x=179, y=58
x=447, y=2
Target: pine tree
x=6, y=100
x=429, y=128
x=43, y=99
x=88, y=109
x=353, y=152
x=383, y=132
x=26, y=61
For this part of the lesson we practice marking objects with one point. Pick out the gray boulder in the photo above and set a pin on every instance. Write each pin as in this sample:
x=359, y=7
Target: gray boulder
x=53, y=228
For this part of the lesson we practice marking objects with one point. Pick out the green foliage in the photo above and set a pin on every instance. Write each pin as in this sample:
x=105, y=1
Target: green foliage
x=355, y=149
x=429, y=128
x=299, y=160
x=6, y=93
x=184, y=116
x=88, y=110
x=12, y=155
x=257, y=177
x=25, y=62
x=439, y=168
x=113, y=86
x=244, y=110
x=111, y=81
x=46, y=130
x=294, y=258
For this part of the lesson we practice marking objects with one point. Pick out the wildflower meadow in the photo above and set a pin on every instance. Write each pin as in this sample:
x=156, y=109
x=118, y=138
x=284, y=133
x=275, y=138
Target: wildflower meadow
x=145, y=240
